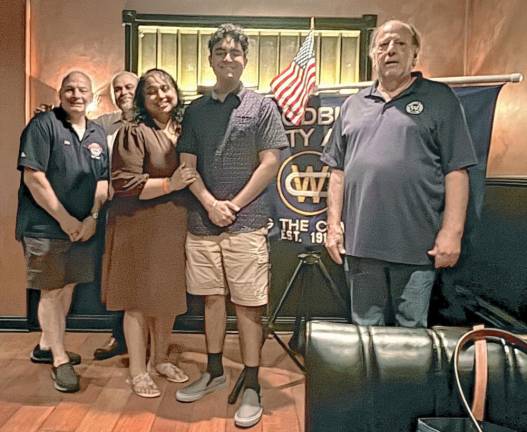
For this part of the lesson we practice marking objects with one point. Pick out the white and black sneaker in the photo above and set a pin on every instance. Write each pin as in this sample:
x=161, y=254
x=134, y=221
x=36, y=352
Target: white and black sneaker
x=250, y=411
x=201, y=387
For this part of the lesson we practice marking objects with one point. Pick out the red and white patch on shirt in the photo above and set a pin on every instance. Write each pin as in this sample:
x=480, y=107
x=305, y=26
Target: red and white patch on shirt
x=95, y=150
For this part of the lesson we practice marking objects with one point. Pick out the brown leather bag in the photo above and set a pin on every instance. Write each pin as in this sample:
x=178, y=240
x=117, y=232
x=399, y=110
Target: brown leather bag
x=474, y=421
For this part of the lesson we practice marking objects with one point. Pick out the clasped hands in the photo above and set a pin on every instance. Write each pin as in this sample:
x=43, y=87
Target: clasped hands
x=223, y=213
x=77, y=230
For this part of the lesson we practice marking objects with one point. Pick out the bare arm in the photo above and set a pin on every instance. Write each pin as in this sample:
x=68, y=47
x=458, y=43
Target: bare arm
x=44, y=195
x=89, y=224
x=447, y=246
x=221, y=213
x=335, y=235
x=181, y=178
x=260, y=178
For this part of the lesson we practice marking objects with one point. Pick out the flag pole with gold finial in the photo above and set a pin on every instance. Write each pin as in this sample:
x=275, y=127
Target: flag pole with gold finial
x=312, y=30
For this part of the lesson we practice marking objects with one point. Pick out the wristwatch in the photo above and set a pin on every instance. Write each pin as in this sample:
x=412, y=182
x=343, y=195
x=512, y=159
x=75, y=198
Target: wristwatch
x=94, y=215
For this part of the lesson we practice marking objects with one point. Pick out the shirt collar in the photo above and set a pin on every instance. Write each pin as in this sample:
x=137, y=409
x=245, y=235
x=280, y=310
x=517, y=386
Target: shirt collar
x=374, y=92
x=62, y=115
x=239, y=92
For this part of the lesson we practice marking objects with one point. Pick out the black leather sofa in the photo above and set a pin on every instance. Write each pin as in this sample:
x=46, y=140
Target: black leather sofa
x=380, y=379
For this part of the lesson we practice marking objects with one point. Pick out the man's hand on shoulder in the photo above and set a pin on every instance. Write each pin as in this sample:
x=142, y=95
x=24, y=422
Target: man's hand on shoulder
x=223, y=213
x=335, y=243
x=447, y=248
x=42, y=108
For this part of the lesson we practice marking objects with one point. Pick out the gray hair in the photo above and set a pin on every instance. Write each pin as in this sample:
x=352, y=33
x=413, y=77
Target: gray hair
x=121, y=73
x=416, y=36
x=75, y=72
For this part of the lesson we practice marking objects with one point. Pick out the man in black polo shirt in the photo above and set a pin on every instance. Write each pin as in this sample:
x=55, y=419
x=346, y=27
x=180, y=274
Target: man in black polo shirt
x=398, y=188
x=64, y=162
x=233, y=137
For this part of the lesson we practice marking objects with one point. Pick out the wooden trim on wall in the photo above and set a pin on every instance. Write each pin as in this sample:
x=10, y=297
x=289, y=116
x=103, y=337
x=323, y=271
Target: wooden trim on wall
x=13, y=324
x=506, y=181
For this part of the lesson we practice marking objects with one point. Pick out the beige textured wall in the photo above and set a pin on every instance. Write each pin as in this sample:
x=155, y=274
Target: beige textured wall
x=96, y=42
x=498, y=43
x=12, y=118
x=65, y=35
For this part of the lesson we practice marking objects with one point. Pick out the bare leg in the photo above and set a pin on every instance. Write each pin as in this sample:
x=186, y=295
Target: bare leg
x=52, y=320
x=135, y=334
x=151, y=341
x=64, y=296
x=162, y=329
x=215, y=322
x=251, y=333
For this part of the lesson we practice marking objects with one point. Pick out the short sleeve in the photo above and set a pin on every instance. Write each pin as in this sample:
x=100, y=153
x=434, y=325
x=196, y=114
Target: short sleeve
x=188, y=142
x=335, y=151
x=35, y=145
x=128, y=178
x=453, y=137
x=104, y=169
x=271, y=132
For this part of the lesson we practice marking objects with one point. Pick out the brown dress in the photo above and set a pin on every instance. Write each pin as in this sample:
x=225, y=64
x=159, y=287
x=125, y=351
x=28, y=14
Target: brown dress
x=144, y=258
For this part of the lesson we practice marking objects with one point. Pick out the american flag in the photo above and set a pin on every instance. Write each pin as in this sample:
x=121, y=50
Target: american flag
x=293, y=85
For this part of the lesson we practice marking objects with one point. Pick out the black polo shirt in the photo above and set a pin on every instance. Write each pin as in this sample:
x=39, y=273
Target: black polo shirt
x=72, y=166
x=227, y=137
x=395, y=156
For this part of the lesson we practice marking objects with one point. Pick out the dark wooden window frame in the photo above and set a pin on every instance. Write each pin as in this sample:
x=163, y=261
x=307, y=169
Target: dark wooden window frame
x=132, y=21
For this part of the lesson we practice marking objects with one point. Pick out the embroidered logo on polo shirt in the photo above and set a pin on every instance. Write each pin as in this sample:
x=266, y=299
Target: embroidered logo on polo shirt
x=66, y=142
x=95, y=150
x=414, y=108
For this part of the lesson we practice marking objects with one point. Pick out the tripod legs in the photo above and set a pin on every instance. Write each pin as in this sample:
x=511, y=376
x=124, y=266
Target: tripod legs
x=305, y=259
x=235, y=392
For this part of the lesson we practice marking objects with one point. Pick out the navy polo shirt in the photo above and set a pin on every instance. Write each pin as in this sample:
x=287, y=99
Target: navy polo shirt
x=227, y=137
x=72, y=166
x=395, y=156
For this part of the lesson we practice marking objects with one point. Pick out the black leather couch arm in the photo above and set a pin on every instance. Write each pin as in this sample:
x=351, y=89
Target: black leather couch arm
x=380, y=379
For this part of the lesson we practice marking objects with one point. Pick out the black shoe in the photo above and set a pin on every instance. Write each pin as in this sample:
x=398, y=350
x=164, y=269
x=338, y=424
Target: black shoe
x=111, y=349
x=45, y=356
x=65, y=379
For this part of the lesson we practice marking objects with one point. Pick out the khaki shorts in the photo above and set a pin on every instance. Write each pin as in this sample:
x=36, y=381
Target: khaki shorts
x=230, y=262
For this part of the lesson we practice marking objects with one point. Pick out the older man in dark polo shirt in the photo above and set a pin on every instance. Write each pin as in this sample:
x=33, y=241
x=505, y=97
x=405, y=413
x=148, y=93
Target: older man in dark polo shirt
x=398, y=188
x=233, y=137
x=64, y=162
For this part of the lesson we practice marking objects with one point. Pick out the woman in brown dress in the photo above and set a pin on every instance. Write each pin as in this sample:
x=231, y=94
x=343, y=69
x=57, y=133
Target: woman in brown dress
x=144, y=262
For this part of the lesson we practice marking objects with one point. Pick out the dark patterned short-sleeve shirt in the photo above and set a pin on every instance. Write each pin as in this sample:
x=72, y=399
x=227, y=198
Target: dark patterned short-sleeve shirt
x=227, y=138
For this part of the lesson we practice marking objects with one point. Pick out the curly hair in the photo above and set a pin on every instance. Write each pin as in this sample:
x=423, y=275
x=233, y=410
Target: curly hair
x=233, y=31
x=141, y=114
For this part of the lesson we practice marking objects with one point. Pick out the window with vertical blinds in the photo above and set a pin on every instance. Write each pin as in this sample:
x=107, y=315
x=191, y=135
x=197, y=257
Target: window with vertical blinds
x=173, y=43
